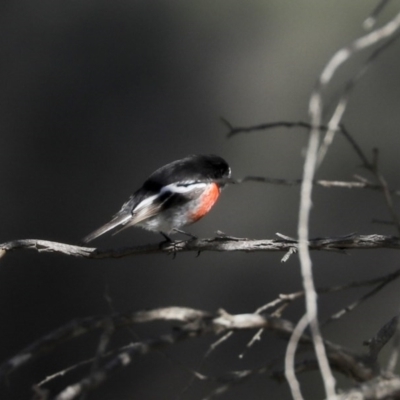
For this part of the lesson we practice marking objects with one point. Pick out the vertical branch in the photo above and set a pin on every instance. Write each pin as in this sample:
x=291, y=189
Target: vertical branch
x=315, y=109
x=304, y=254
x=290, y=373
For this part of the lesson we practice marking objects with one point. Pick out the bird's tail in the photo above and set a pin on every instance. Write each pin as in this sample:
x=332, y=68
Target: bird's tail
x=117, y=221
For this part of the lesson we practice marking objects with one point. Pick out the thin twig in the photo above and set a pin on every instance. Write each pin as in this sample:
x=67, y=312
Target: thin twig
x=104, y=341
x=373, y=167
x=232, y=130
x=365, y=184
x=371, y=20
x=337, y=115
x=390, y=278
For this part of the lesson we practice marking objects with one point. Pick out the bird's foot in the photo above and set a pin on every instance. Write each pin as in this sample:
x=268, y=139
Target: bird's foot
x=169, y=245
x=192, y=237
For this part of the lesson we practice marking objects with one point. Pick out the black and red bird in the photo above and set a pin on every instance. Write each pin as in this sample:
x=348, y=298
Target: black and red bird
x=175, y=195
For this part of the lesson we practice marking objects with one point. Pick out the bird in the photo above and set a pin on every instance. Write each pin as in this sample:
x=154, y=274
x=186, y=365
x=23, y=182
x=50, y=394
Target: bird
x=175, y=195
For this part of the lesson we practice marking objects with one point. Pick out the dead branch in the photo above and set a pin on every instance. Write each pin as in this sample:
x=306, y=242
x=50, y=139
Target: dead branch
x=219, y=243
x=362, y=183
x=82, y=326
x=377, y=389
x=384, y=334
x=193, y=323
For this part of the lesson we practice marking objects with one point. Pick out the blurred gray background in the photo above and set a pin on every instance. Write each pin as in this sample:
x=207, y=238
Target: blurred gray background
x=94, y=96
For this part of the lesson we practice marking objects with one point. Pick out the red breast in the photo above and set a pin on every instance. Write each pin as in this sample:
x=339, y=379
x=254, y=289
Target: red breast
x=208, y=199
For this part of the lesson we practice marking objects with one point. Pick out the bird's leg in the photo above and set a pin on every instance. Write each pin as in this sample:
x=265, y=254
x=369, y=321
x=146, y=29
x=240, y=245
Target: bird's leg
x=192, y=237
x=166, y=237
x=185, y=233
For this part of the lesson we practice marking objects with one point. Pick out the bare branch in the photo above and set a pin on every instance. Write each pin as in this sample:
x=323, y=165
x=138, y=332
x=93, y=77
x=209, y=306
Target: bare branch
x=305, y=258
x=290, y=357
x=373, y=167
x=313, y=156
x=375, y=344
x=232, y=131
x=334, y=123
x=359, y=44
x=219, y=243
x=194, y=323
x=82, y=326
x=394, y=355
x=384, y=282
x=347, y=365
x=382, y=337
x=364, y=184
x=371, y=20
x=379, y=388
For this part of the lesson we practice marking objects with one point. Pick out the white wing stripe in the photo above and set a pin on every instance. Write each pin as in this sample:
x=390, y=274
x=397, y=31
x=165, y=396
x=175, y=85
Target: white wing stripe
x=180, y=187
x=183, y=187
x=145, y=203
